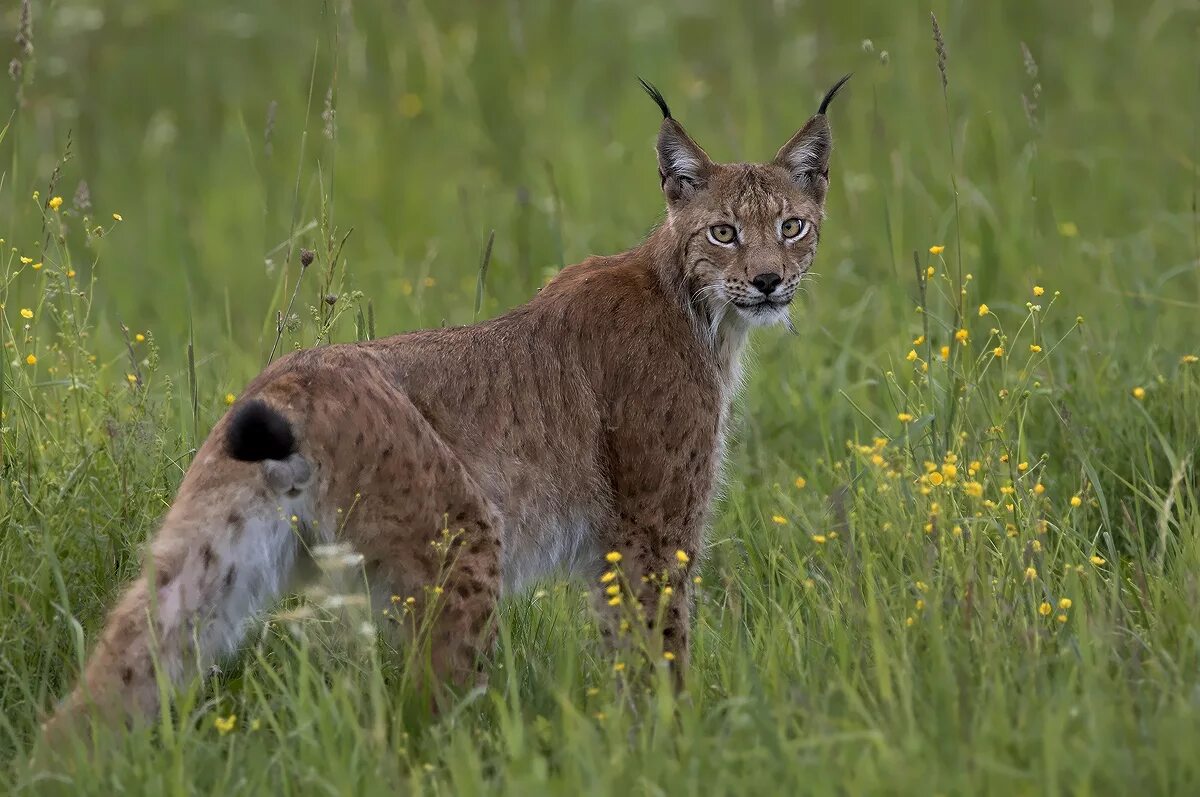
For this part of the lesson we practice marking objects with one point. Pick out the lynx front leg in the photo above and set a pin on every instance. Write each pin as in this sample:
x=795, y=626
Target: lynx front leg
x=662, y=461
x=650, y=585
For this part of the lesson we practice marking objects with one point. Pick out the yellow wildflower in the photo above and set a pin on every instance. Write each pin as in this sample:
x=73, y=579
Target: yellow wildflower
x=935, y=478
x=1189, y=359
x=937, y=250
x=962, y=335
x=945, y=352
x=612, y=557
x=71, y=276
x=1039, y=488
x=613, y=589
x=984, y=310
x=912, y=355
x=117, y=217
x=801, y=482
x=55, y=203
x=607, y=577
x=998, y=351
x=131, y=378
x=929, y=272
x=904, y=417
x=778, y=519
x=37, y=266
x=973, y=489
x=225, y=724
x=1076, y=501
x=31, y=360
x=1044, y=609
x=25, y=261
x=682, y=557
x=1022, y=466
x=411, y=105
x=1030, y=573
x=819, y=539
x=140, y=338
x=230, y=398
x=909, y=621
x=1064, y=604
x=949, y=471
x=1139, y=392
x=1097, y=560
x=918, y=340
x=1034, y=348
x=1038, y=290
x=1062, y=618
x=1068, y=229
x=619, y=666
x=26, y=312
x=615, y=600
x=668, y=655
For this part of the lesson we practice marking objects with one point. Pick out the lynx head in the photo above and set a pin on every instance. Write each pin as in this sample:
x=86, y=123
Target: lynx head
x=747, y=232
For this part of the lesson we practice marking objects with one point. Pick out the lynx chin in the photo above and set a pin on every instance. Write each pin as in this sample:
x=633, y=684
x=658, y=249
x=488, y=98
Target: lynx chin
x=588, y=421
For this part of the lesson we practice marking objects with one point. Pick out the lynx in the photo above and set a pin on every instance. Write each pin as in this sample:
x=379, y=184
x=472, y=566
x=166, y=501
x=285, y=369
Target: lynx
x=584, y=426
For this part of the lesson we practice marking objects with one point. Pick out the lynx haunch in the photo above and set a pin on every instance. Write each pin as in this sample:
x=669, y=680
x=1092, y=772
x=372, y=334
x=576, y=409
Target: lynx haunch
x=589, y=420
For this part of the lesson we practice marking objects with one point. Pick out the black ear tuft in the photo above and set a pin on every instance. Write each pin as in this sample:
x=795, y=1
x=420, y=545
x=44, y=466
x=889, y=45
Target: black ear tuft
x=257, y=432
x=657, y=96
x=829, y=95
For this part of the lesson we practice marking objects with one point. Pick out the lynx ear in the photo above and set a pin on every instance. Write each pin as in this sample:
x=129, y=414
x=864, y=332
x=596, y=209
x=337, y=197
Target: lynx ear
x=806, y=155
x=683, y=167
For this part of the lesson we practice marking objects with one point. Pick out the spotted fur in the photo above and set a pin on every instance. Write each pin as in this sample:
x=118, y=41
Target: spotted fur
x=590, y=419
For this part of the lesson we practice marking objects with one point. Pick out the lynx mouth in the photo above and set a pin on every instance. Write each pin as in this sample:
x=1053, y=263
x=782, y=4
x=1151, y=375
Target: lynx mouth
x=765, y=304
x=765, y=311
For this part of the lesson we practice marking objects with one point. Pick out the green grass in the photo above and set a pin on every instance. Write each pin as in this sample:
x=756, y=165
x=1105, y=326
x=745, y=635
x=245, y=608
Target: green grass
x=816, y=669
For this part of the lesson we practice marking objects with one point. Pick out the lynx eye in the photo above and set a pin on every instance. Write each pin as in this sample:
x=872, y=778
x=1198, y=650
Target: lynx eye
x=792, y=229
x=723, y=234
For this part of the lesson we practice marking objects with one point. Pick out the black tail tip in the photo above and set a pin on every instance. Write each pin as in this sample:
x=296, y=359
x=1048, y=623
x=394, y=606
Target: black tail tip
x=833, y=90
x=257, y=432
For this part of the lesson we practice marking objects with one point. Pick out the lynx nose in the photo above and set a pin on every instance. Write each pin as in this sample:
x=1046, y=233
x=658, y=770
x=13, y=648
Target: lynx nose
x=767, y=283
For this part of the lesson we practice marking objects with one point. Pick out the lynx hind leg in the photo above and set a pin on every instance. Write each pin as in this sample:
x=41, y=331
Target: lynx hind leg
x=444, y=584
x=429, y=534
x=223, y=554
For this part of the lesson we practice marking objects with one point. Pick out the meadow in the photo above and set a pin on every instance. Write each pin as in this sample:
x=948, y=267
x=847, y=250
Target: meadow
x=958, y=551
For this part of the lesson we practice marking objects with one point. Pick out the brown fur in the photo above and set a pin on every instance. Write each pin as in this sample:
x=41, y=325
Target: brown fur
x=589, y=420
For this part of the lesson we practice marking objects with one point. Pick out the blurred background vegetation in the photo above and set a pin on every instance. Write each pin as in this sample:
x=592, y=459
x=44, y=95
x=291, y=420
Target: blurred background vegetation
x=228, y=135
x=452, y=119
